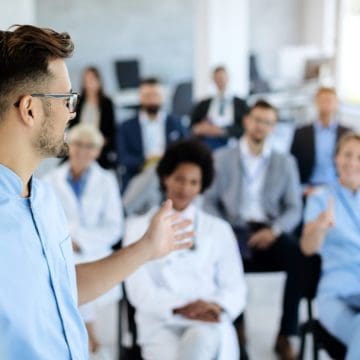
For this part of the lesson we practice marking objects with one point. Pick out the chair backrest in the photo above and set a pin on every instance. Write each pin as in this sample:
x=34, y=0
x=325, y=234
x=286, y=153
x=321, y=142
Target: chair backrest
x=182, y=99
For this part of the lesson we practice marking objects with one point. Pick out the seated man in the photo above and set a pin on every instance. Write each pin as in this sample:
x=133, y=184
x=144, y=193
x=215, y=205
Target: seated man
x=91, y=200
x=143, y=139
x=258, y=191
x=314, y=145
x=332, y=229
x=185, y=304
x=216, y=119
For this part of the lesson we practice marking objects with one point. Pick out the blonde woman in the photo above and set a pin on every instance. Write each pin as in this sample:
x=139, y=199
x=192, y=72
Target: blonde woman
x=332, y=229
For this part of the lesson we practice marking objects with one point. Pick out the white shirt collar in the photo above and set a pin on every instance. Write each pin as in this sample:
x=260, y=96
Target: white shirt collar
x=245, y=150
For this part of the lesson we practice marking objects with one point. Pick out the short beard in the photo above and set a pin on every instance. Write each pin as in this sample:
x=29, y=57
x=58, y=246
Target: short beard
x=46, y=144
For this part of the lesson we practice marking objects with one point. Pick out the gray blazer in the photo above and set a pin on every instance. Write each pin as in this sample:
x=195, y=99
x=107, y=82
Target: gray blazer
x=281, y=193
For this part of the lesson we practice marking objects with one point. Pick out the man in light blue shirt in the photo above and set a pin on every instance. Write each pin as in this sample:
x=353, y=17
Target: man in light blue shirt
x=40, y=287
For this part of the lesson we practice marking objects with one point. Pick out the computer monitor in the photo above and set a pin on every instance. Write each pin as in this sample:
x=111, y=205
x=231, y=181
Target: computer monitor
x=127, y=73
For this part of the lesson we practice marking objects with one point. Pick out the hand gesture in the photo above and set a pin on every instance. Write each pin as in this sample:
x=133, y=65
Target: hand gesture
x=326, y=219
x=165, y=235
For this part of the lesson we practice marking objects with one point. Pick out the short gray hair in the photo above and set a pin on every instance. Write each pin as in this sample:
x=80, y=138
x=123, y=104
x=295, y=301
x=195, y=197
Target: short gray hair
x=86, y=132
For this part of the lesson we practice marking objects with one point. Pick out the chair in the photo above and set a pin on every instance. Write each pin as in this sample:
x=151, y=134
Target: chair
x=321, y=337
x=127, y=315
x=182, y=99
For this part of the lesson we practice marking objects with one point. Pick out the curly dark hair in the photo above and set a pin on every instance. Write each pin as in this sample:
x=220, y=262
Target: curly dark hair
x=187, y=151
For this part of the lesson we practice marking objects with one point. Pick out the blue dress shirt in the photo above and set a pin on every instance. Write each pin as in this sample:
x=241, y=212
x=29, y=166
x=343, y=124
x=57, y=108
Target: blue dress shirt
x=340, y=251
x=39, y=318
x=325, y=142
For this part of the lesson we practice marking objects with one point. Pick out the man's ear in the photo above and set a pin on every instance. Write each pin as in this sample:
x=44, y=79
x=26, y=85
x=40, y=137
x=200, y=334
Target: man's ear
x=28, y=110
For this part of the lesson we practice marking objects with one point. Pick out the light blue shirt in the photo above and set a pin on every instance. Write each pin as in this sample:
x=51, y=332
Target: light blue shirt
x=38, y=297
x=340, y=251
x=324, y=171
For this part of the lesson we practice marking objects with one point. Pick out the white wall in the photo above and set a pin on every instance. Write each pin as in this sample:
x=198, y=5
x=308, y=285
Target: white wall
x=16, y=12
x=159, y=33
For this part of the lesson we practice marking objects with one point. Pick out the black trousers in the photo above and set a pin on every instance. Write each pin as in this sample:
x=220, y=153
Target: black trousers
x=283, y=255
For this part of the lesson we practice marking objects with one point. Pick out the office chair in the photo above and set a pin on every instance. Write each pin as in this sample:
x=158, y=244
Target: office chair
x=182, y=99
x=322, y=340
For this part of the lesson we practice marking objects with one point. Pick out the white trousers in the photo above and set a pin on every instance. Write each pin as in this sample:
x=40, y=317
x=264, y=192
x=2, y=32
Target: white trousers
x=205, y=341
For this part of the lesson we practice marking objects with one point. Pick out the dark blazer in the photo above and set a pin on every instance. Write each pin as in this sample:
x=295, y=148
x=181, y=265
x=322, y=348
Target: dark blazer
x=240, y=109
x=130, y=144
x=107, y=158
x=303, y=149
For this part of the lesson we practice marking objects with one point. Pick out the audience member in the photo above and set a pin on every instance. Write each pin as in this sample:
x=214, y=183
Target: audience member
x=332, y=229
x=143, y=139
x=314, y=145
x=258, y=191
x=91, y=199
x=96, y=109
x=218, y=118
x=185, y=304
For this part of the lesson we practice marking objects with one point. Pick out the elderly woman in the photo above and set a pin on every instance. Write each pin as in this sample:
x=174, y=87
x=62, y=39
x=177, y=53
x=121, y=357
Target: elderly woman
x=332, y=229
x=186, y=302
x=91, y=199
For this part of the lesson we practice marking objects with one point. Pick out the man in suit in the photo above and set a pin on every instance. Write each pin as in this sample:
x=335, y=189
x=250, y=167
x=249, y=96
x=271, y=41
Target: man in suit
x=314, y=145
x=143, y=139
x=258, y=191
x=218, y=118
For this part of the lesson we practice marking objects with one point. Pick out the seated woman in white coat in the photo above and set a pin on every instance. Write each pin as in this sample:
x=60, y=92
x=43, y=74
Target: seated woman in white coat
x=91, y=200
x=185, y=303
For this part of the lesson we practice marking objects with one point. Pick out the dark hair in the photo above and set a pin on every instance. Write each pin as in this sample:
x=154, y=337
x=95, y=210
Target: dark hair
x=96, y=72
x=187, y=151
x=25, y=52
x=150, y=81
x=219, y=68
x=263, y=104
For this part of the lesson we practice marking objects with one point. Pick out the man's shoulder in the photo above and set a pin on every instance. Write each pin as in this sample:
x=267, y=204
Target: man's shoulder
x=304, y=130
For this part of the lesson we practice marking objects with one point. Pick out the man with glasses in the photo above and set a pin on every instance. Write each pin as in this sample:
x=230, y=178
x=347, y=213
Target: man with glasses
x=40, y=287
x=258, y=191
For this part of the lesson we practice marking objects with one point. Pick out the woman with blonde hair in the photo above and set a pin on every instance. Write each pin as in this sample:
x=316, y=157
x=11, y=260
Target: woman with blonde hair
x=332, y=229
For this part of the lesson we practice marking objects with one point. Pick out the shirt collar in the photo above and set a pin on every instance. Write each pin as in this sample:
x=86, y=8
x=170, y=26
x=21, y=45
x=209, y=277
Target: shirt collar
x=349, y=193
x=245, y=150
x=227, y=96
x=332, y=126
x=11, y=184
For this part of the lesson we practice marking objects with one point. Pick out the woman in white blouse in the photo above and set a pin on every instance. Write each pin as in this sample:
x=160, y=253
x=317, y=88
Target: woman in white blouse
x=186, y=302
x=91, y=200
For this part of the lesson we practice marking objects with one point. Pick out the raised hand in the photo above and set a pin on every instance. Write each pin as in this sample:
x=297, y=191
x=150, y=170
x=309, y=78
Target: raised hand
x=165, y=234
x=326, y=219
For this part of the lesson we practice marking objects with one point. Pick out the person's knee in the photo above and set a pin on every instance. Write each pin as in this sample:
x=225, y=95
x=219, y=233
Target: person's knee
x=205, y=338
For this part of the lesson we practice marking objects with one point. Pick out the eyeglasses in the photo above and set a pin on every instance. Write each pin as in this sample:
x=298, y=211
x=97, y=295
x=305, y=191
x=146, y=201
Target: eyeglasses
x=71, y=103
x=260, y=121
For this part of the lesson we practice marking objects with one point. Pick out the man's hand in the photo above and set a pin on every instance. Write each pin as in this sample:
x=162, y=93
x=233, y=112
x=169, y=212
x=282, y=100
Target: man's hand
x=262, y=239
x=200, y=310
x=309, y=190
x=165, y=234
x=205, y=128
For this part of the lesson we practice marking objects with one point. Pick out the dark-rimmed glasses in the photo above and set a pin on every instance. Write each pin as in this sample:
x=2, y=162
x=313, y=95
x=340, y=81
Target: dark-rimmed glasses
x=71, y=103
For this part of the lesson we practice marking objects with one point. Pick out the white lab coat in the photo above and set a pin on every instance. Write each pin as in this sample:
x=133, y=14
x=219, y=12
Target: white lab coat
x=96, y=222
x=211, y=272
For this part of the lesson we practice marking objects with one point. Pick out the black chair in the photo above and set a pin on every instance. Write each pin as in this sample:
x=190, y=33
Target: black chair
x=127, y=315
x=182, y=101
x=322, y=340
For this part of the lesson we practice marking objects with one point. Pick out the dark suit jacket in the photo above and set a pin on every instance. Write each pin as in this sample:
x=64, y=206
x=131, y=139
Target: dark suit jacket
x=130, y=144
x=240, y=109
x=303, y=149
x=107, y=128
